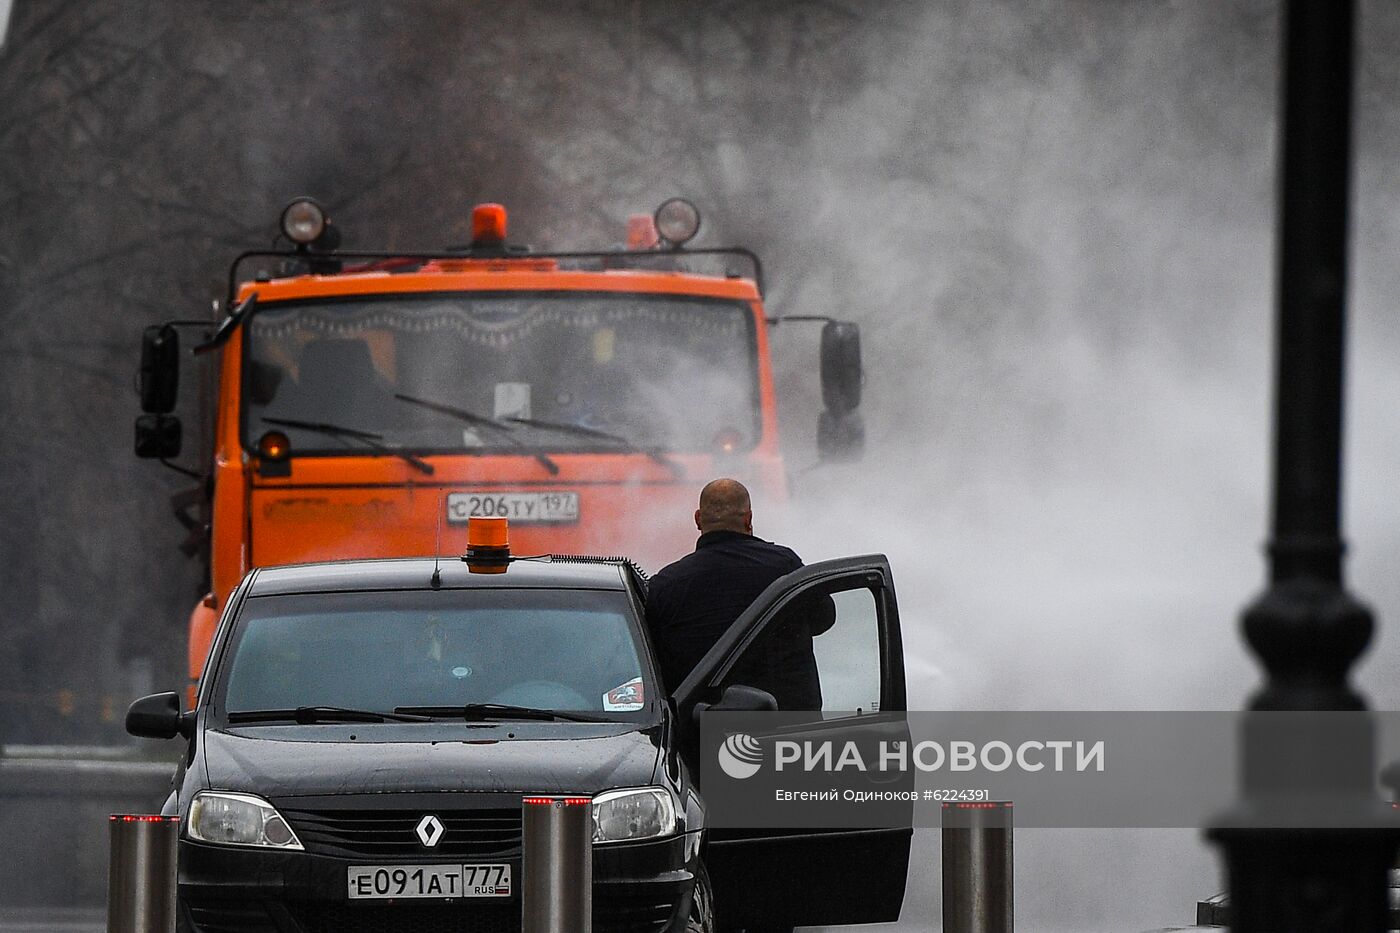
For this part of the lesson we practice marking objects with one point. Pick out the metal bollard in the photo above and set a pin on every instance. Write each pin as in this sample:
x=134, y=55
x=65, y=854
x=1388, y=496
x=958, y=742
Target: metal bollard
x=977, y=868
x=557, y=864
x=141, y=874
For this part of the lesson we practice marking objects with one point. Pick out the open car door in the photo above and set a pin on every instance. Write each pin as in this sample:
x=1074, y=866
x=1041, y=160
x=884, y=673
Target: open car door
x=806, y=876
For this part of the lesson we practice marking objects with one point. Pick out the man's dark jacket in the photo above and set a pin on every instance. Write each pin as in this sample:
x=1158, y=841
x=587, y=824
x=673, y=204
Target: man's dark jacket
x=692, y=602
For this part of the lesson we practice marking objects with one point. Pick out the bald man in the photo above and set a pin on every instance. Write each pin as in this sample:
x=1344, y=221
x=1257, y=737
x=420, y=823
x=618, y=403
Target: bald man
x=694, y=601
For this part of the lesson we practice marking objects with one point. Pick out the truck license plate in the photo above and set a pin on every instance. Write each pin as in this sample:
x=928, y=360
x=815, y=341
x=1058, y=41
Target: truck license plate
x=396, y=881
x=519, y=507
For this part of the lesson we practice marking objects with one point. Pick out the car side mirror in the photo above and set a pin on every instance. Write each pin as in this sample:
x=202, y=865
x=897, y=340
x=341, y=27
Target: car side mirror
x=739, y=698
x=842, y=375
x=158, y=437
x=160, y=369
x=158, y=717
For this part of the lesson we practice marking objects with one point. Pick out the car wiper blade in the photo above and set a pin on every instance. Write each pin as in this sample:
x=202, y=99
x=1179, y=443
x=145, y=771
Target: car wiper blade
x=565, y=427
x=369, y=438
x=307, y=715
x=472, y=418
x=501, y=711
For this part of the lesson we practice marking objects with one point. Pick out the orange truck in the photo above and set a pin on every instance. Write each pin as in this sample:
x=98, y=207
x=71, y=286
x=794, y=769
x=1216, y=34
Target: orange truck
x=367, y=404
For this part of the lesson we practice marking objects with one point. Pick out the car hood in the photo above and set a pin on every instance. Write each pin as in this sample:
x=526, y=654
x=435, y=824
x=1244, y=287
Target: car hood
x=289, y=761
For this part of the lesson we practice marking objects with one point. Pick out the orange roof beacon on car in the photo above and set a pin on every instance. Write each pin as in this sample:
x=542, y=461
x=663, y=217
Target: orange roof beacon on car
x=365, y=398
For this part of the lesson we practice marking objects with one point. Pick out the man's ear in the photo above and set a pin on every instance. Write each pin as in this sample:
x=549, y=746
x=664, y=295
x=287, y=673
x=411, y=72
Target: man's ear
x=697, y=521
x=748, y=521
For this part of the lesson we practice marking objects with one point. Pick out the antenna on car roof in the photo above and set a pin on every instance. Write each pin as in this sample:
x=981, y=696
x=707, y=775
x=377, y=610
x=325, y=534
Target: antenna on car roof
x=436, y=581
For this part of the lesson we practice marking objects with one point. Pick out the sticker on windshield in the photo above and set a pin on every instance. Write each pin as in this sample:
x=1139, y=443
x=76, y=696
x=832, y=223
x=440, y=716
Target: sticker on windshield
x=512, y=400
x=628, y=696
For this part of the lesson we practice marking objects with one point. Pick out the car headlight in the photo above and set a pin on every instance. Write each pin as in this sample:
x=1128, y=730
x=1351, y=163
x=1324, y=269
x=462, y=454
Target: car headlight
x=632, y=814
x=239, y=820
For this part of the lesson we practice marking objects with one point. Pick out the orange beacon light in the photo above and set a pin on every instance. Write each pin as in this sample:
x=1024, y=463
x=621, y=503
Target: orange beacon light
x=488, y=545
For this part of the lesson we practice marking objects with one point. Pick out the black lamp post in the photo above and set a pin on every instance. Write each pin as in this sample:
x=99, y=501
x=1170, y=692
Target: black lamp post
x=1306, y=628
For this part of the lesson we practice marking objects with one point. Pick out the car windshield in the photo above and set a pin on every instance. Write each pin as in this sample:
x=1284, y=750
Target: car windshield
x=542, y=649
x=471, y=372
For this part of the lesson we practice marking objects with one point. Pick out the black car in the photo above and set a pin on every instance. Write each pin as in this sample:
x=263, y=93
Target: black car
x=366, y=731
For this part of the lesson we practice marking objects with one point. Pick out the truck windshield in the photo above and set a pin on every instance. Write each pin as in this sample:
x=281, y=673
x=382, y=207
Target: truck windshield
x=570, y=650
x=474, y=372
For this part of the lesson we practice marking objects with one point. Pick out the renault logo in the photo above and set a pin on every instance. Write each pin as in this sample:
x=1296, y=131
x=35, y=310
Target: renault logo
x=429, y=830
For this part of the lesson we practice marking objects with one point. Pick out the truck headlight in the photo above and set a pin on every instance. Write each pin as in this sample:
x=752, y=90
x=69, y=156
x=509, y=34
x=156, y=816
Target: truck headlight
x=239, y=820
x=632, y=814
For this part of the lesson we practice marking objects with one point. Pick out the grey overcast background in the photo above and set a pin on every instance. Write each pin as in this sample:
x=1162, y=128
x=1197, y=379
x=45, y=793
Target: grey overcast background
x=1053, y=220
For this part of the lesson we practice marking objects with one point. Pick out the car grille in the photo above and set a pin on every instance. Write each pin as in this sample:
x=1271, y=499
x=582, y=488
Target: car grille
x=407, y=918
x=641, y=911
x=215, y=916
x=390, y=834
x=633, y=908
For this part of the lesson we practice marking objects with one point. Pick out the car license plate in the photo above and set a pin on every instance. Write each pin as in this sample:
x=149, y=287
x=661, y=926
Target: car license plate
x=396, y=881
x=519, y=507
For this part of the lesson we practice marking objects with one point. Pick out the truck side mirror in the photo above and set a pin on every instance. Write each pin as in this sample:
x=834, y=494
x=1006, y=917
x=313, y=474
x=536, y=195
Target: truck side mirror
x=158, y=717
x=160, y=369
x=158, y=437
x=842, y=375
x=840, y=437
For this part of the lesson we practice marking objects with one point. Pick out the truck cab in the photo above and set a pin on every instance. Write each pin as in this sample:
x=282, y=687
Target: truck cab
x=367, y=404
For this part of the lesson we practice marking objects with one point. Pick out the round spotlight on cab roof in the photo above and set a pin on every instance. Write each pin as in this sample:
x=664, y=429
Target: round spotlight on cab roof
x=303, y=221
x=677, y=221
x=274, y=446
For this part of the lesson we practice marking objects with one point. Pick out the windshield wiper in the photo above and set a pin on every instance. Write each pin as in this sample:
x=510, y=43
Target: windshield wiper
x=228, y=325
x=307, y=715
x=370, y=439
x=565, y=428
x=472, y=418
x=482, y=711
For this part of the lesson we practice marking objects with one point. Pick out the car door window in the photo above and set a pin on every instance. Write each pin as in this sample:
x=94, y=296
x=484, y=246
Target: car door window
x=819, y=653
x=848, y=654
